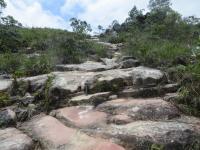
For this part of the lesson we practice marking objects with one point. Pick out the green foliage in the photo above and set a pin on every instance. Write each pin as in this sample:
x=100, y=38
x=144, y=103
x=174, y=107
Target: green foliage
x=157, y=147
x=79, y=26
x=10, y=39
x=47, y=100
x=159, y=4
x=97, y=49
x=19, y=87
x=21, y=65
x=190, y=91
x=4, y=99
x=39, y=50
x=155, y=52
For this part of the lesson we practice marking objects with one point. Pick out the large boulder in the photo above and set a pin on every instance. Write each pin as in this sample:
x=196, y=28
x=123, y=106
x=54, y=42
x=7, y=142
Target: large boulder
x=13, y=139
x=145, y=77
x=80, y=117
x=7, y=118
x=53, y=135
x=141, y=109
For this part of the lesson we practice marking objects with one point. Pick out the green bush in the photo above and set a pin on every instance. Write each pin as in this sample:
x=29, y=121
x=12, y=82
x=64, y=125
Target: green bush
x=4, y=99
x=155, y=52
x=21, y=65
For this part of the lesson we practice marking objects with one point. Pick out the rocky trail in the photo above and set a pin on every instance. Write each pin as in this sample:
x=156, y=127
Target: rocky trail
x=114, y=104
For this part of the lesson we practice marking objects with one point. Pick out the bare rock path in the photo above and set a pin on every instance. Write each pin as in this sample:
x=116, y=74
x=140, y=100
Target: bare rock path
x=116, y=104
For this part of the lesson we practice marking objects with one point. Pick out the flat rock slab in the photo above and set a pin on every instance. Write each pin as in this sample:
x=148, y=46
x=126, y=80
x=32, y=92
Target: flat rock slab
x=81, y=117
x=143, y=135
x=141, y=109
x=53, y=135
x=87, y=66
x=13, y=139
x=5, y=84
x=90, y=99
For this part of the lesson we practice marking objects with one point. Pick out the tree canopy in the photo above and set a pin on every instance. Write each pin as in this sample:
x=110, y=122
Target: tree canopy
x=80, y=26
x=159, y=4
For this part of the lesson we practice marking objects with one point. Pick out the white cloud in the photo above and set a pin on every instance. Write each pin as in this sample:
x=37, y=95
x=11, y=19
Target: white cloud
x=30, y=13
x=103, y=12
x=97, y=12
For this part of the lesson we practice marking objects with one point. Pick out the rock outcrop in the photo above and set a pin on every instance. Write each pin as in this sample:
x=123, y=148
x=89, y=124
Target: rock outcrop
x=112, y=104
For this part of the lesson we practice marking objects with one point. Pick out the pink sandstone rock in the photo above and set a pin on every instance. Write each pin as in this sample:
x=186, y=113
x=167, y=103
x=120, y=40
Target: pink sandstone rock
x=81, y=116
x=53, y=135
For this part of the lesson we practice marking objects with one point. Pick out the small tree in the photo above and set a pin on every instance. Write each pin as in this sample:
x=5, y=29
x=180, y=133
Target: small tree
x=133, y=14
x=100, y=28
x=115, y=25
x=10, y=21
x=80, y=26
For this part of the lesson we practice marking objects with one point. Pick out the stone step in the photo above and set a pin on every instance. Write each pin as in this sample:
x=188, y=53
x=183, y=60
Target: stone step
x=13, y=139
x=87, y=66
x=144, y=135
x=63, y=84
x=53, y=135
x=139, y=109
x=149, y=91
x=80, y=117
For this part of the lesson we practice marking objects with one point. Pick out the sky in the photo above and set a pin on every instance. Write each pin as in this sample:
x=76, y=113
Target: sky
x=56, y=13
